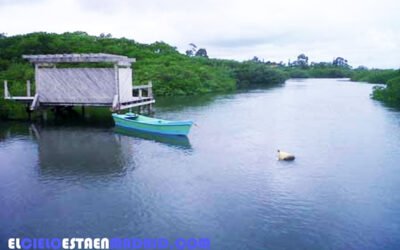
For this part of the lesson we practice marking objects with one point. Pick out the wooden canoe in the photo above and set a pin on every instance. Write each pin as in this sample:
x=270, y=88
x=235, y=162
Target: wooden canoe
x=152, y=125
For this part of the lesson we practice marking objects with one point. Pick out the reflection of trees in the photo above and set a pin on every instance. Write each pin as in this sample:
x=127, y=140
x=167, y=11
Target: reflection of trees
x=10, y=129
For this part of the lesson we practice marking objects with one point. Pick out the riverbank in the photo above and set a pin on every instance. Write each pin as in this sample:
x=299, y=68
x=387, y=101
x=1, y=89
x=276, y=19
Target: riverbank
x=389, y=94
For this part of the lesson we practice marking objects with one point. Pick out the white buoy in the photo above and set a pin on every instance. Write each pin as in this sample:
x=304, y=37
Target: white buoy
x=285, y=156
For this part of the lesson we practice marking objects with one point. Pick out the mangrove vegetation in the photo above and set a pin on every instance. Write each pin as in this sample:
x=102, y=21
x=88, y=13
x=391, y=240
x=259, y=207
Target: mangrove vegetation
x=174, y=73
x=389, y=91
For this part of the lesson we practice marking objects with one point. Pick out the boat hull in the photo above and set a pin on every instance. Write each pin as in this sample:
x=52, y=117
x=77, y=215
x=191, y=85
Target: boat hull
x=151, y=125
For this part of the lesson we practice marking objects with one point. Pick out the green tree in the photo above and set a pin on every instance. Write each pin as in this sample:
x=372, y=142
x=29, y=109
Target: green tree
x=202, y=53
x=340, y=62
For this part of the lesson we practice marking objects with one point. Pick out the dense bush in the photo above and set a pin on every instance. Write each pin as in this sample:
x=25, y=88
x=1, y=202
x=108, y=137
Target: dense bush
x=318, y=72
x=389, y=94
x=374, y=75
x=298, y=73
x=188, y=76
x=171, y=72
x=333, y=72
x=253, y=73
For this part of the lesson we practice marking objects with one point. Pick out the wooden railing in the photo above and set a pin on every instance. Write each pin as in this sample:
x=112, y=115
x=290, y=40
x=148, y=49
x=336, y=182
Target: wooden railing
x=7, y=94
x=140, y=88
x=143, y=95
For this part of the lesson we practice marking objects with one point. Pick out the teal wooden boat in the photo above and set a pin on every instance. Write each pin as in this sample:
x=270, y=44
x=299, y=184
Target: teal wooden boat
x=152, y=125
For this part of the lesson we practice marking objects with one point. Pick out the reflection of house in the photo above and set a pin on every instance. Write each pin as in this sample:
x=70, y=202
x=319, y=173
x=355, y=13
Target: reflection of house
x=81, y=151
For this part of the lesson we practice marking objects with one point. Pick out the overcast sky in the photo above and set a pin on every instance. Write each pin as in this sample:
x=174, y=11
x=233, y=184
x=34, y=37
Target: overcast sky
x=366, y=32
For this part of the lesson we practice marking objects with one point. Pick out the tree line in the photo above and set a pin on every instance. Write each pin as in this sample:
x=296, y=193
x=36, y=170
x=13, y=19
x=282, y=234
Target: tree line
x=172, y=73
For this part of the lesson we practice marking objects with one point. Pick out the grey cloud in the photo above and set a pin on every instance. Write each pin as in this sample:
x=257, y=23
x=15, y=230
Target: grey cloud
x=238, y=29
x=240, y=41
x=282, y=39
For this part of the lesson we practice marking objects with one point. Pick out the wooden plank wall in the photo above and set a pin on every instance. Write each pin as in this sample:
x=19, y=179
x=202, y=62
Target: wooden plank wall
x=125, y=84
x=76, y=85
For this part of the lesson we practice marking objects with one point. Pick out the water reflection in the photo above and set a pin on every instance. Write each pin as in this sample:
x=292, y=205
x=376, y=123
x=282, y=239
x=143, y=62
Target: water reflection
x=340, y=193
x=85, y=150
x=170, y=140
x=74, y=151
x=179, y=103
x=12, y=129
x=64, y=151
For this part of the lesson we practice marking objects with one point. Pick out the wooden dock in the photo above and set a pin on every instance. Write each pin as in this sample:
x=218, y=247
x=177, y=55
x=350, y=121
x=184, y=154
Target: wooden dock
x=83, y=86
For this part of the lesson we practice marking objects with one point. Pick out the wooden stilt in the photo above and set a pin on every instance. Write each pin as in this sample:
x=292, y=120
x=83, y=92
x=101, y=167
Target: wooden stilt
x=44, y=115
x=29, y=112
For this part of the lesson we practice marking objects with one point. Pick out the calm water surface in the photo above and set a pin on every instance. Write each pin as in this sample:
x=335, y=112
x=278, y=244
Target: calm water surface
x=223, y=182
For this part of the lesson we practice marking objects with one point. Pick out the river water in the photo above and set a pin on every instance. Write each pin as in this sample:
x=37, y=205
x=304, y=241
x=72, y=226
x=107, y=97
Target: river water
x=223, y=182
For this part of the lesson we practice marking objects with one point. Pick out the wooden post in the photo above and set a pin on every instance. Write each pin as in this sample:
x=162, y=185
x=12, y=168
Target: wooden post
x=116, y=81
x=140, y=93
x=28, y=111
x=35, y=102
x=28, y=88
x=44, y=115
x=115, y=104
x=150, y=89
x=37, y=85
x=5, y=89
x=151, y=109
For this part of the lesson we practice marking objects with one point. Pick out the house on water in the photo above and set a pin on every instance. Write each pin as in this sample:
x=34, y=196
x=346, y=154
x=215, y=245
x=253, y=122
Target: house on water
x=66, y=80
